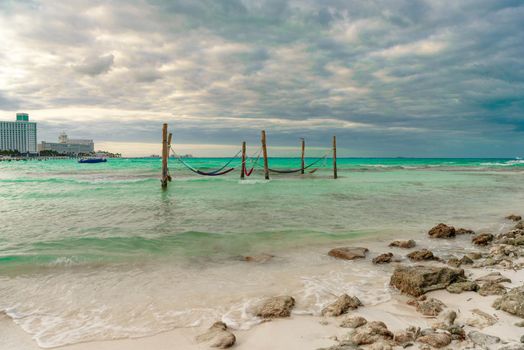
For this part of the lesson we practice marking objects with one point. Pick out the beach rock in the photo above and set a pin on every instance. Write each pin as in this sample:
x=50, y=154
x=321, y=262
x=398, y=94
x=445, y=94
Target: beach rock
x=380, y=345
x=371, y=332
x=341, y=305
x=344, y=345
x=457, y=332
x=496, y=277
x=417, y=280
x=491, y=288
x=436, y=340
x=348, y=253
x=474, y=255
x=514, y=217
x=403, y=244
x=459, y=287
x=454, y=262
x=519, y=324
x=514, y=237
x=512, y=302
x=383, y=258
x=448, y=317
x=483, y=239
x=519, y=225
x=483, y=340
x=506, y=250
x=481, y=319
x=218, y=336
x=261, y=258
x=445, y=320
x=280, y=306
x=466, y=260
x=353, y=322
x=421, y=255
x=464, y=231
x=442, y=231
x=430, y=307
x=406, y=336
x=522, y=339
x=458, y=262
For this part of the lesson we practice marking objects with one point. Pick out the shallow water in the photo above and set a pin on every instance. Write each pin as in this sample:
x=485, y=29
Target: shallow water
x=99, y=251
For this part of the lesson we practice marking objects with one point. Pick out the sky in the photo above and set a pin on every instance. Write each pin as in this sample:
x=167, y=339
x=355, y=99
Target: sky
x=413, y=78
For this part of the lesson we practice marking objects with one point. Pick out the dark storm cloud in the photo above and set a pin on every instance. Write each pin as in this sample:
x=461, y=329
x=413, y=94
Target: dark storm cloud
x=390, y=77
x=95, y=65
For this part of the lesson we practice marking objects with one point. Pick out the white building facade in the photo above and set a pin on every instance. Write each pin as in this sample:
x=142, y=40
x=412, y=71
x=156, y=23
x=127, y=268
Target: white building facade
x=65, y=145
x=19, y=135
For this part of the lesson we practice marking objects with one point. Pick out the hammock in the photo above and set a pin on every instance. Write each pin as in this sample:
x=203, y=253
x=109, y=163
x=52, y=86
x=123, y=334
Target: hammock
x=216, y=172
x=299, y=169
x=248, y=173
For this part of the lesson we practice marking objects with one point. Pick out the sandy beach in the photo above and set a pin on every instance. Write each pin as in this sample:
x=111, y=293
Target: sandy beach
x=470, y=311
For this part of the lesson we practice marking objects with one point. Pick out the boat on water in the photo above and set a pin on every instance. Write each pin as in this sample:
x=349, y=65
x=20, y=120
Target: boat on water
x=92, y=160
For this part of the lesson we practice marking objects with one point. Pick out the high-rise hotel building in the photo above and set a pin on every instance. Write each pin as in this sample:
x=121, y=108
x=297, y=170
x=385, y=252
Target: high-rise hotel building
x=19, y=135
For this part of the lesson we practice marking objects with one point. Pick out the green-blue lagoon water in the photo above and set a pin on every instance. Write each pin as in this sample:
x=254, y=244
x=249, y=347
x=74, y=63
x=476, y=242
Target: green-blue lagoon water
x=100, y=251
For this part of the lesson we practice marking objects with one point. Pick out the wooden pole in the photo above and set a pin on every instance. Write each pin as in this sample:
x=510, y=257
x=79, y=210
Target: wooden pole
x=264, y=151
x=335, y=157
x=303, y=154
x=170, y=137
x=243, y=167
x=164, y=156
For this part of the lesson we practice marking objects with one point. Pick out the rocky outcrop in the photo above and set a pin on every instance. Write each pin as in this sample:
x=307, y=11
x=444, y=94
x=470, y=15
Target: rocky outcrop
x=348, y=253
x=406, y=336
x=448, y=317
x=501, y=251
x=421, y=255
x=429, y=307
x=344, y=345
x=353, y=322
x=474, y=255
x=442, y=231
x=341, y=305
x=491, y=288
x=371, y=332
x=514, y=237
x=459, y=287
x=496, y=277
x=480, y=319
x=403, y=244
x=446, y=321
x=417, y=280
x=274, y=307
x=482, y=239
x=458, y=262
x=483, y=340
x=383, y=258
x=436, y=340
x=512, y=302
x=464, y=231
x=218, y=335
x=514, y=217
x=495, y=262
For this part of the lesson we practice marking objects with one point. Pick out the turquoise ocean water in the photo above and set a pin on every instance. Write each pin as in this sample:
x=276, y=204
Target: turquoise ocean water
x=100, y=251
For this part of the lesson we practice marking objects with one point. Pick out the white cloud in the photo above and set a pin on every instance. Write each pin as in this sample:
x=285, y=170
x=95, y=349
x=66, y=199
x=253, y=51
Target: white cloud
x=215, y=68
x=421, y=48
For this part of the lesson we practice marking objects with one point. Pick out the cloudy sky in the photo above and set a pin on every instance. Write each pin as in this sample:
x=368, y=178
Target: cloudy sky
x=390, y=78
